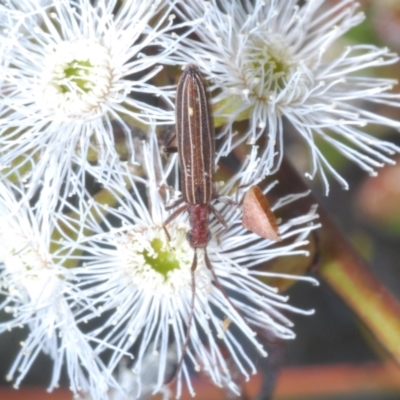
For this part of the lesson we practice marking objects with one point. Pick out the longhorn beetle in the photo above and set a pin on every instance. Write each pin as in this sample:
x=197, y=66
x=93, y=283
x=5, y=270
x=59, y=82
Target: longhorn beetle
x=195, y=147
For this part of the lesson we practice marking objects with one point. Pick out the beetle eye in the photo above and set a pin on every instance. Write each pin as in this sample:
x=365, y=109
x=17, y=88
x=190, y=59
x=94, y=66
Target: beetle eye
x=189, y=236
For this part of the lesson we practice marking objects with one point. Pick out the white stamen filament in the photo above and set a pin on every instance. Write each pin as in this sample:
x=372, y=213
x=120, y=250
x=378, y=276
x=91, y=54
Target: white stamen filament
x=77, y=77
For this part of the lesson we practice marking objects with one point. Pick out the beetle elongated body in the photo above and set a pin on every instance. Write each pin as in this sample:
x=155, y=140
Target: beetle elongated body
x=196, y=152
x=195, y=138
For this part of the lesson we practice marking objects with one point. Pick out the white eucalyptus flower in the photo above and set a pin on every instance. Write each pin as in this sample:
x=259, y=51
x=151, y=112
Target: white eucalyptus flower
x=143, y=283
x=275, y=60
x=38, y=294
x=72, y=69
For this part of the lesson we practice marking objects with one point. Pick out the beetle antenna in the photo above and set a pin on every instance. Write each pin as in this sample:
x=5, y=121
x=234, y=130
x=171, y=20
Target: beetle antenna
x=227, y=298
x=189, y=323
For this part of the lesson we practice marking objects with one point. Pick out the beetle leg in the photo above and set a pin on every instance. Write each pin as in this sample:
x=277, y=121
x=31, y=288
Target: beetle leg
x=180, y=210
x=219, y=216
x=226, y=200
x=174, y=204
x=170, y=146
x=170, y=149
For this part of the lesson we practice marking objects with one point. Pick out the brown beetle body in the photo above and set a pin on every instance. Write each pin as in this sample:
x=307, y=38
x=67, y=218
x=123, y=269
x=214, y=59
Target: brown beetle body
x=195, y=147
x=196, y=151
x=195, y=138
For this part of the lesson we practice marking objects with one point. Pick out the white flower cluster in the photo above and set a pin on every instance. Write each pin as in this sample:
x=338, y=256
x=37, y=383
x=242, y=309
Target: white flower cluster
x=271, y=61
x=67, y=69
x=87, y=266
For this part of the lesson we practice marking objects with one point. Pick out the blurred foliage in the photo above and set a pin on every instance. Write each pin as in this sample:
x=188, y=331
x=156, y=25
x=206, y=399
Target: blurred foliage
x=378, y=200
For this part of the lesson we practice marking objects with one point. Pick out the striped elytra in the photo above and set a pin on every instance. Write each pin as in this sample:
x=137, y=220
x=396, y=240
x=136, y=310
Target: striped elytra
x=195, y=138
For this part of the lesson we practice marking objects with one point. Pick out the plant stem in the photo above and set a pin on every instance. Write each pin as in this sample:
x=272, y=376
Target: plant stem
x=348, y=274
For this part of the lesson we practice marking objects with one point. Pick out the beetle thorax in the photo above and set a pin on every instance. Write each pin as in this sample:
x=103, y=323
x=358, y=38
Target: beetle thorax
x=199, y=235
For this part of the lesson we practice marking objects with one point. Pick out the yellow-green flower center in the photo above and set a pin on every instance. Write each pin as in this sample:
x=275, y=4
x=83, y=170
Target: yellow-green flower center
x=268, y=67
x=77, y=78
x=155, y=264
x=270, y=63
x=76, y=72
x=161, y=261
